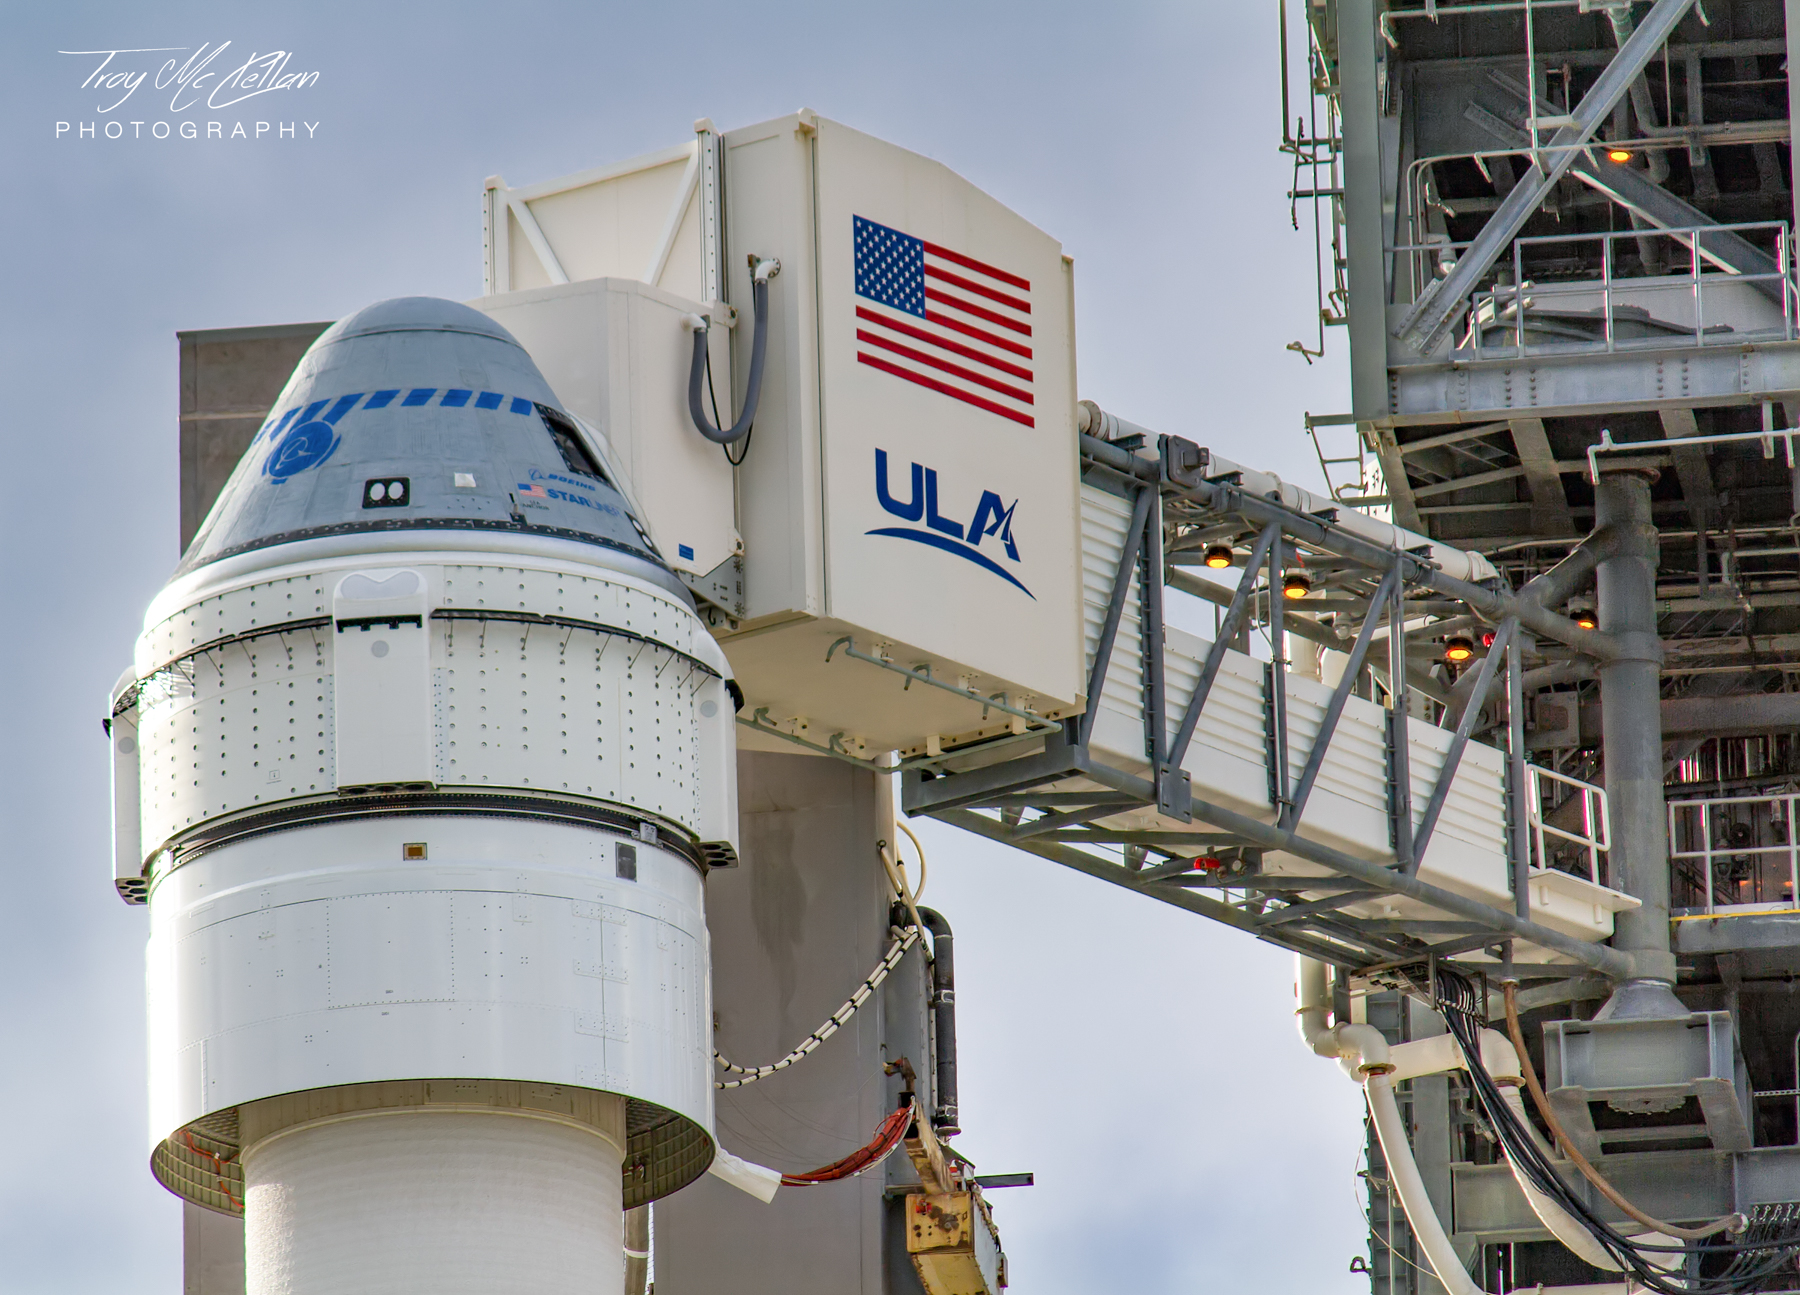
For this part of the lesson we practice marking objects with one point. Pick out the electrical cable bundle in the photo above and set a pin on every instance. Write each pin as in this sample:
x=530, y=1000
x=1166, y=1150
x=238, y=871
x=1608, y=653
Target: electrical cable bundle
x=888, y=1135
x=1767, y=1250
x=903, y=940
x=904, y=937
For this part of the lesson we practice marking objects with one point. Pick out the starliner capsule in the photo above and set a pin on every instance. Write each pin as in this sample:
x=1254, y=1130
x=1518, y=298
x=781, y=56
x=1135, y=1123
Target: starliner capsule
x=421, y=762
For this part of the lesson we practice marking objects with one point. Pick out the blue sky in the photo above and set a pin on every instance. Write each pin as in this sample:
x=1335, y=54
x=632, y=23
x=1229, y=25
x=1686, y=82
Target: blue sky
x=1147, y=1068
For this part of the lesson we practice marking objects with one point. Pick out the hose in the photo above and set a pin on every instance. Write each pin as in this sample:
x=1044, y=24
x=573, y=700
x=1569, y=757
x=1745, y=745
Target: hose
x=1403, y=1174
x=1767, y=1250
x=1730, y=1223
x=888, y=1135
x=943, y=1018
x=765, y=269
x=919, y=846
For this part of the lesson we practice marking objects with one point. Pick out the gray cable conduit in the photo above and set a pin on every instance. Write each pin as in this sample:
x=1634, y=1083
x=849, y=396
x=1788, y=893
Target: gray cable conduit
x=766, y=268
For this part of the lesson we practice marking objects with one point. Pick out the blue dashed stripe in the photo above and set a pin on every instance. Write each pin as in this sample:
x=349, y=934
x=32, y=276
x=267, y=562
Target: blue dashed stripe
x=449, y=398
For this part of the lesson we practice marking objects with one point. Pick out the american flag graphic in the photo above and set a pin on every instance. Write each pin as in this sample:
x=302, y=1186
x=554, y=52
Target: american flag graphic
x=946, y=321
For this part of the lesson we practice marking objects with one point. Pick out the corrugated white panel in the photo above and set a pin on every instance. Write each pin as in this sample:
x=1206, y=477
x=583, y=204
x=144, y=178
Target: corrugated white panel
x=1226, y=757
x=1104, y=520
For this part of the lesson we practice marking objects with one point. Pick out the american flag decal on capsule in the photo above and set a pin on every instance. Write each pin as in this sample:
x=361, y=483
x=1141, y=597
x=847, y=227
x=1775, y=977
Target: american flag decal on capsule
x=943, y=320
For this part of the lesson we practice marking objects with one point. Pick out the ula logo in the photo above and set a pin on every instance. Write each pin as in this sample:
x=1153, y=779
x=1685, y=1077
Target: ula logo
x=991, y=519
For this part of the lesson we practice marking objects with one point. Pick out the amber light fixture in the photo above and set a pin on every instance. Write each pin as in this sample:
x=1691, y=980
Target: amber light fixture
x=1619, y=155
x=1458, y=649
x=1296, y=584
x=1218, y=556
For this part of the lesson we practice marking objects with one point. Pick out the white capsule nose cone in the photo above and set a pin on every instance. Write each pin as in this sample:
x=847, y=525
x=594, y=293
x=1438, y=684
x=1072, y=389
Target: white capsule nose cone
x=425, y=414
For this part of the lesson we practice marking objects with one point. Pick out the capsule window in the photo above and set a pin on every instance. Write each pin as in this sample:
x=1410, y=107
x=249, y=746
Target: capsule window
x=569, y=444
x=625, y=861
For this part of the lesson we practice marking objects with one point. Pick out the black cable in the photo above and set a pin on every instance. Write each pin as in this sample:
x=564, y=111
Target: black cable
x=763, y=271
x=1459, y=1004
x=714, y=397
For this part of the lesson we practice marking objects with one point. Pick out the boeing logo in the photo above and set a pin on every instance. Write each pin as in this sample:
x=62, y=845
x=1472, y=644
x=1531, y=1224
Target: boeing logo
x=992, y=518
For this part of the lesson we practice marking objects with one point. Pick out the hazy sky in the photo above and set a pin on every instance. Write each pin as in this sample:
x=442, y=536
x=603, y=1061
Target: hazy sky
x=1141, y=1060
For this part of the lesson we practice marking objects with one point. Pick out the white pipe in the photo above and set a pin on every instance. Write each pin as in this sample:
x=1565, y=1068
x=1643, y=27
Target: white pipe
x=1451, y=560
x=1403, y=1177
x=1415, y=1060
x=1563, y=1225
x=1359, y=1049
x=1473, y=567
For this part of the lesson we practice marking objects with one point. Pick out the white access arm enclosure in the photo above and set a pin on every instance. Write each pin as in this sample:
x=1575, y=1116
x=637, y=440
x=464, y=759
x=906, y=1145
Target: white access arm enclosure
x=910, y=484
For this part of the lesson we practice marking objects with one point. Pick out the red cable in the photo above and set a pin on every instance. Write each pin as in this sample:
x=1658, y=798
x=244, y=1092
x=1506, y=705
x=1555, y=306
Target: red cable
x=887, y=1136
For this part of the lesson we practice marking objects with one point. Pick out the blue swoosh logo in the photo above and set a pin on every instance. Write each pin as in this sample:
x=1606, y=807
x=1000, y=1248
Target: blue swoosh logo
x=949, y=545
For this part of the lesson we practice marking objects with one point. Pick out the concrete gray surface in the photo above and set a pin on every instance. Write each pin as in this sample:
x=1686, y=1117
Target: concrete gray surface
x=229, y=378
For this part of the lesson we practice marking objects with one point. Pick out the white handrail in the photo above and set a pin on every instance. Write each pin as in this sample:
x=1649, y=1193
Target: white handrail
x=1596, y=821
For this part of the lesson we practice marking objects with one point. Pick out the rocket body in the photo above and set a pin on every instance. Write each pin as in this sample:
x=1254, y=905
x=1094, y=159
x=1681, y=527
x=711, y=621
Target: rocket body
x=430, y=755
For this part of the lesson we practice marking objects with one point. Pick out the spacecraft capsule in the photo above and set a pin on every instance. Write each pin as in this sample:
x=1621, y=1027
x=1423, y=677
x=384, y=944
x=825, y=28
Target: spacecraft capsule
x=420, y=765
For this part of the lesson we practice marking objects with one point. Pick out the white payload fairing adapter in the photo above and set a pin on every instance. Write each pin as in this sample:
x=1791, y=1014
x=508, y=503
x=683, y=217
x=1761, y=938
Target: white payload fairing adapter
x=431, y=754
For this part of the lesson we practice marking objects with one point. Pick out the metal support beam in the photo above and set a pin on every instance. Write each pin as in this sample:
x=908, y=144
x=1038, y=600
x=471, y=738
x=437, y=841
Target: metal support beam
x=1635, y=191
x=1631, y=720
x=1150, y=638
x=1691, y=467
x=1275, y=687
x=1334, y=710
x=1491, y=605
x=1228, y=632
x=1612, y=962
x=1312, y=631
x=1792, y=14
x=1359, y=106
x=1519, y=821
x=1311, y=908
x=1399, y=768
x=1430, y=318
x=1484, y=680
x=1641, y=193
x=1549, y=504
x=1082, y=862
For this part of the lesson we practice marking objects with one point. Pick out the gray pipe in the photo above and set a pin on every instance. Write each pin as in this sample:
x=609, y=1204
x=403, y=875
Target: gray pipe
x=1534, y=681
x=637, y=1250
x=1642, y=106
x=765, y=270
x=945, y=1116
x=1631, y=724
